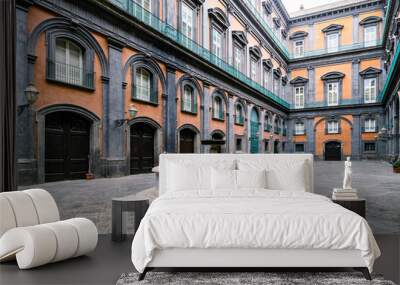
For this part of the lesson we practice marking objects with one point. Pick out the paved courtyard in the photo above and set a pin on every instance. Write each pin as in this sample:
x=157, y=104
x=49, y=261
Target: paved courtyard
x=374, y=179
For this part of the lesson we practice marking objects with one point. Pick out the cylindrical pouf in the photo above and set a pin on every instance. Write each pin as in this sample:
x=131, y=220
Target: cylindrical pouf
x=33, y=246
x=87, y=235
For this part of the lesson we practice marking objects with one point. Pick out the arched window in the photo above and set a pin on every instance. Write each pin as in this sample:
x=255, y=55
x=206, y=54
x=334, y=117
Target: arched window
x=143, y=84
x=68, y=65
x=277, y=126
x=218, y=111
x=239, y=120
x=267, y=123
x=188, y=99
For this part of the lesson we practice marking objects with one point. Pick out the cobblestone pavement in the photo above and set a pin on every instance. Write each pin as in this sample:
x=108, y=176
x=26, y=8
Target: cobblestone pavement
x=374, y=179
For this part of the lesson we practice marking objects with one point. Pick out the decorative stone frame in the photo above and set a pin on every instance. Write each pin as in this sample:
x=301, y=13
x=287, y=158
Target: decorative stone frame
x=371, y=21
x=269, y=121
x=224, y=104
x=333, y=119
x=266, y=68
x=267, y=7
x=299, y=120
x=365, y=117
x=298, y=36
x=299, y=81
x=239, y=103
x=370, y=72
x=240, y=41
x=195, y=6
x=87, y=56
x=94, y=140
x=197, y=140
x=220, y=22
x=333, y=29
x=255, y=55
x=158, y=138
x=277, y=22
x=197, y=92
x=333, y=77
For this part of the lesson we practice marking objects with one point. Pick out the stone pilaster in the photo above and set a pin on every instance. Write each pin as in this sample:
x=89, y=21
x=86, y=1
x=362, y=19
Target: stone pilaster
x=355, y=80
x=355, y=138
x=230, y=121
x=170, y=123
x=114, y=160
x=310, y=94
x=310, y=136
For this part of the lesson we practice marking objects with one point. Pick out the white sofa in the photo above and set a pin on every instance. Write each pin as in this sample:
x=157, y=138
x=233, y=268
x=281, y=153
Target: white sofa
x=31, y=231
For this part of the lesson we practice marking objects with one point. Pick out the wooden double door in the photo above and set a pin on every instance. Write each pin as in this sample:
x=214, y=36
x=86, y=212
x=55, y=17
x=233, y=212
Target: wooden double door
x=142, y=144
x=186, y=141
x=333, y=151
x=67, y=146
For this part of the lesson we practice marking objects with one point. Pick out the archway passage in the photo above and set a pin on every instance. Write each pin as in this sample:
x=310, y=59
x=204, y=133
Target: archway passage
x=186, y=141
x=333, y=151
x=142, y=148
x=67, y=140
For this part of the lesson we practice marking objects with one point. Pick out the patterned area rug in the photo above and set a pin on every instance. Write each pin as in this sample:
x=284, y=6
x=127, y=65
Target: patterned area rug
x=243, y=278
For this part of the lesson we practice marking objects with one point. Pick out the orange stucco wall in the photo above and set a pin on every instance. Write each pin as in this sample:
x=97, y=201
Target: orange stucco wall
x=319, y=86
x=368, y=136
x=375, y=62
x=299, y=72
x=302, y=138
x=35, y=16
x=346, y=36
x=344, y=137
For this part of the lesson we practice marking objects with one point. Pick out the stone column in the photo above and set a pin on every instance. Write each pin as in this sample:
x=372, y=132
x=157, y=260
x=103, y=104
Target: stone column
x=230, y=121
x=248, y=125
x=355, y=80
x=170, y=118
x=355, y=138
x=25, y=141
x=261, y=130
x=114, y=109
x=310, y=95
x=310, y=135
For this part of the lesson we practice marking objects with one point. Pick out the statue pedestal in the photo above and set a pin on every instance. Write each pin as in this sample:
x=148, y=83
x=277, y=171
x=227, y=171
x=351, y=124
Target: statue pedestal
x=344, y=194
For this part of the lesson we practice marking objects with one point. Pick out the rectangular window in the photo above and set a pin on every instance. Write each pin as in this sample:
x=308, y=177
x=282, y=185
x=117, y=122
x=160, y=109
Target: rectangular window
x=370, y=36
x=299, y=48
x=187, y=21
x=333, y=127
x=333, y=94
x=332, y=42
x=370, y=90
x=299, y=147
x=299, y=97
x=143, y=88
x=238, y=144
x=237, y=57
x=68, y=64
x=146, y=4
x=299, y=128
x=369, y=147
x=266, y=146
x=253, y=70
x=369, y=125
x=217, y=43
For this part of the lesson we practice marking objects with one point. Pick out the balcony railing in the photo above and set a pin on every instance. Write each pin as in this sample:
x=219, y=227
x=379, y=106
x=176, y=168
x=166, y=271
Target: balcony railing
x=343, y=102
x=260, y=19
x=69, y=74
x=340, y=48
x=146, y=17
x=390, y=75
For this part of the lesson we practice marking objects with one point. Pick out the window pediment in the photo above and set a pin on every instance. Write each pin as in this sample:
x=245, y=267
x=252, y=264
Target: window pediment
x=219, y=17
x=267, y=63
x=332, y=28
x=299, y=80
x=277, y=73
x=298, y=35
x=332, y=75
x=370, y=20
x=255, y=51
x=240, y=37
x=370, y=71
x=284, y=80
x=277, y=22
x=284, y=33
x=267, y=6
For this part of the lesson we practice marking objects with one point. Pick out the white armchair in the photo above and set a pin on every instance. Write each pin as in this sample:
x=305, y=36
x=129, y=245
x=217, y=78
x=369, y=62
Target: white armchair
x=31, y=231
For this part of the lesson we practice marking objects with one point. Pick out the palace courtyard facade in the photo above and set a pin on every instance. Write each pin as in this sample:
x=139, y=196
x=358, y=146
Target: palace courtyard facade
x=115, y=83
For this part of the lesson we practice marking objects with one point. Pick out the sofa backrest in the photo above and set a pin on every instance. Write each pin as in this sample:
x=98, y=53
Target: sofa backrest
x=26, y=208
x=271, y=161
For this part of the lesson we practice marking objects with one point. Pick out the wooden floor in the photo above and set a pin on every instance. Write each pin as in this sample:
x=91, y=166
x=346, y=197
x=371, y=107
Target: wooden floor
x=110, y=260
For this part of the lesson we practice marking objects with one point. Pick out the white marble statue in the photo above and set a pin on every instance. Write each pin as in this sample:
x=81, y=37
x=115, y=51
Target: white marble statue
x=347, y=174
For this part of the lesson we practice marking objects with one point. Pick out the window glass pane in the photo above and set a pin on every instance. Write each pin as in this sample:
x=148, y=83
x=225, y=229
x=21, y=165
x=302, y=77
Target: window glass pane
x=332, y=42
x=253, y=65
x=61, y=51
x=146, y=4
x=299, y=97
x=299, y=128
x=299, y=49
x=333, y=94
x=369, y=147
x=299, y=147
x=217, y=42
x=142, y=84
x=369, y=125
x=68, y=64
x=187, y=21
x=370, y=90
x=333, y=127
x=187, y=98
x=237, y=60
x=370, y=36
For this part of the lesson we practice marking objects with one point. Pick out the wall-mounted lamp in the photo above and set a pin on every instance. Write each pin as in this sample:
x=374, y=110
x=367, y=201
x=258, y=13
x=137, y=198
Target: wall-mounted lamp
x=31, y=94
x=383, y=134
x=132, y=114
